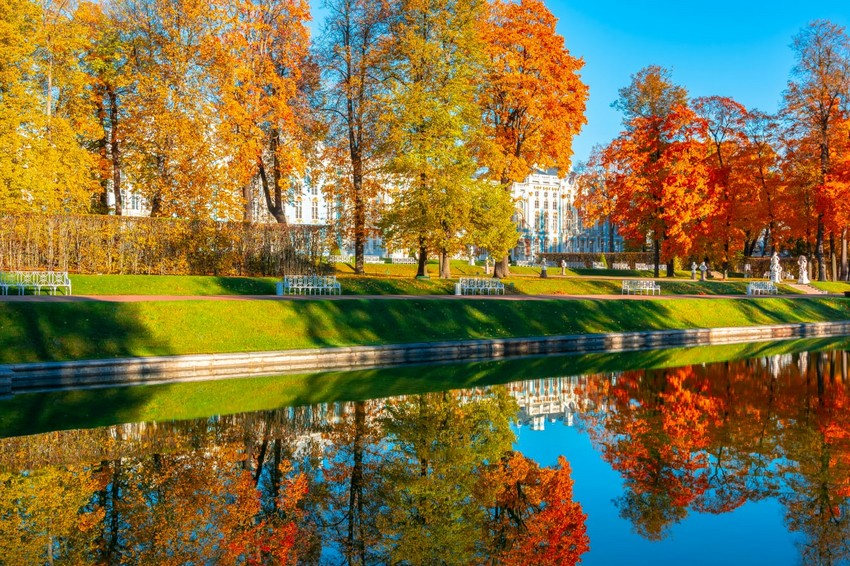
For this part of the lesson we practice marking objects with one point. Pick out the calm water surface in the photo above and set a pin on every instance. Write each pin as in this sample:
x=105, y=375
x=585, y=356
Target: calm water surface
x=739, y=462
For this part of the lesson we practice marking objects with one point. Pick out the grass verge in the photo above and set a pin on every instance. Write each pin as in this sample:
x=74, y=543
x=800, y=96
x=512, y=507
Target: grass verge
x=383, y=285
x=41, y=331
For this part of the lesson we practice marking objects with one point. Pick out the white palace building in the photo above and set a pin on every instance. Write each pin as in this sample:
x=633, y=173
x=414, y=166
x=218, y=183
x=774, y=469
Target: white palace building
x=546, y=216
x=548, y=220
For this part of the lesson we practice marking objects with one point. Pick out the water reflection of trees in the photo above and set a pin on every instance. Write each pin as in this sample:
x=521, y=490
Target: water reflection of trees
x=710, y=438
x=426, y=479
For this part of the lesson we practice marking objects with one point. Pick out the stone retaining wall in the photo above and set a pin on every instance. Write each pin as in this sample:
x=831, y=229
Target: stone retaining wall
x=19, y=378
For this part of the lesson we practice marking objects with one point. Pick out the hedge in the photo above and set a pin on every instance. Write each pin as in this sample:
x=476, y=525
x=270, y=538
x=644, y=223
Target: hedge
x=164, y=246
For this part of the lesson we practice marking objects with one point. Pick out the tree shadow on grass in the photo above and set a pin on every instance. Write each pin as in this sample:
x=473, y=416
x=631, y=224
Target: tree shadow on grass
x=48, y=331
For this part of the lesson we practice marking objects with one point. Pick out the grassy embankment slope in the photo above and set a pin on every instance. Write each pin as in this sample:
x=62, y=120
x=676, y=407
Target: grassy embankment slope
x=40, y=331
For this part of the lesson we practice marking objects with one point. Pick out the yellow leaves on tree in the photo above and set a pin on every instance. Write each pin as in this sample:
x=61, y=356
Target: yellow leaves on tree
x=265, y=76
x=43, y=167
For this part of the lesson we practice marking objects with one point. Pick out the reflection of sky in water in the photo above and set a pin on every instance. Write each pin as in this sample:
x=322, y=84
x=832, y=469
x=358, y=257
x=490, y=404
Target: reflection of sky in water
x=751, y=534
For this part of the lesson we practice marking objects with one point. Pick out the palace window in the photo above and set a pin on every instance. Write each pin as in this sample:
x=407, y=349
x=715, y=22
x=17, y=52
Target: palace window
x=315, y=209
x=298, y=210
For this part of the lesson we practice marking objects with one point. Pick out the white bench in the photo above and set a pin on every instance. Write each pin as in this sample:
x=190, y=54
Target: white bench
x=620, y=266
x=597, y=265
x=479, y=286
x=762, y=288
x=372, y=259
x=35, y=280
x=340, y=259
x=309, y=285
x=645, y=266
x=642, y=287
x=404, y=260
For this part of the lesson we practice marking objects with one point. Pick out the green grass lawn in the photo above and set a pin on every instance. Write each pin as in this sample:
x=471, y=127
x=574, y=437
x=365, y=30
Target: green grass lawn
x=37, y=331
x=383, y=284
x=832, y=286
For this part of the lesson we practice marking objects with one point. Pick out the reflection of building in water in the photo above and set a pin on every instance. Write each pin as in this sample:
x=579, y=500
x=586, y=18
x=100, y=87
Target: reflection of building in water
x=552, y=398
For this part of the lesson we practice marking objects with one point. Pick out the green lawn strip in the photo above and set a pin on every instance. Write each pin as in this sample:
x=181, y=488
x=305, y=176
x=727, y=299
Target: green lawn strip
x=381, y=285
x=200, y=285
x=832, y=286
x=42, y=412
x=36, y=331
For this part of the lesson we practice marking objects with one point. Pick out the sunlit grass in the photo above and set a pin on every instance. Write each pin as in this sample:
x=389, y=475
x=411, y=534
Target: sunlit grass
x=389, y=284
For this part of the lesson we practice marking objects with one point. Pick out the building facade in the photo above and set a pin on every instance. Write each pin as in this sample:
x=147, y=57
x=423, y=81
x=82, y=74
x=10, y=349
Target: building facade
x=548, y=220
x=545, y=214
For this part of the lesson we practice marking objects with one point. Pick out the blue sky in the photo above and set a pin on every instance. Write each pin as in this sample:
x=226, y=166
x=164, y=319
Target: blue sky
x=738, y=49
x=728, y=48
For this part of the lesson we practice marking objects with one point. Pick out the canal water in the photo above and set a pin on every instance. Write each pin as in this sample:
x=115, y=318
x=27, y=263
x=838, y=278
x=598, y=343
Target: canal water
x=732, y=455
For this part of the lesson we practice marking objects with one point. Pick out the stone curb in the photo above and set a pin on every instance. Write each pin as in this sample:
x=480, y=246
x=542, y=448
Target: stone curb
x=20, y=378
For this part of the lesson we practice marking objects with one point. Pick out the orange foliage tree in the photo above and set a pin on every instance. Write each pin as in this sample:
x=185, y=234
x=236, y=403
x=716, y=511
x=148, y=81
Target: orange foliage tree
x=820, y=86
x=656, y=176
x=531, y=96
x=265, y=80
x=731, y=189
x=350, y=56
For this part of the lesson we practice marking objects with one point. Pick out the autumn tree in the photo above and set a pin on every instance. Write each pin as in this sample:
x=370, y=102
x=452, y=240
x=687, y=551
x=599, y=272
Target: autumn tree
x=350, y=57
x=267, y=80
x=531, y=96
x=43, y=119
x=656, y=164
x=761, y=165
x=437, y=446
x=729, y=188
x=656, y=178
x=432, y=62
x=105, y=60
x=174, y=154
x=535, y=518
x=818, y=91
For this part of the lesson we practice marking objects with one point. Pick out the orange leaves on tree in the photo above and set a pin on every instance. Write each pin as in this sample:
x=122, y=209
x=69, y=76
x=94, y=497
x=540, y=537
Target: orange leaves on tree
x=532, y=96
x=657, y=175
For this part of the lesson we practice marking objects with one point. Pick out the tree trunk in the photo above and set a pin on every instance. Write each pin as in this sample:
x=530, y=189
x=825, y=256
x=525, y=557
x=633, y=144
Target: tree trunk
x=355, y=544
x=656, y=256
x=115, y=150
x=819, y=254
x=833, y=258
x=102, y=152
x=445, y=265
x=671, y=268
x=845, y=268
x=247, y=202
x=422, y=270
x=359, y=203
x=502, y=268
x=610, y=236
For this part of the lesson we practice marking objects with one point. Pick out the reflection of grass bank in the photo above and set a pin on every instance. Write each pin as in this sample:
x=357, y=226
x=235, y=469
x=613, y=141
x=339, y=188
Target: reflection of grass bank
x=36, y=413
x=65, y=331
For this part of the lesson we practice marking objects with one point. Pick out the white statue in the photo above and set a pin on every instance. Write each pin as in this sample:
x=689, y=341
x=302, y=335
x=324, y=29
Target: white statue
x=775, y=268
x=693, y=270
x=703, y=268
x=804, y=272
